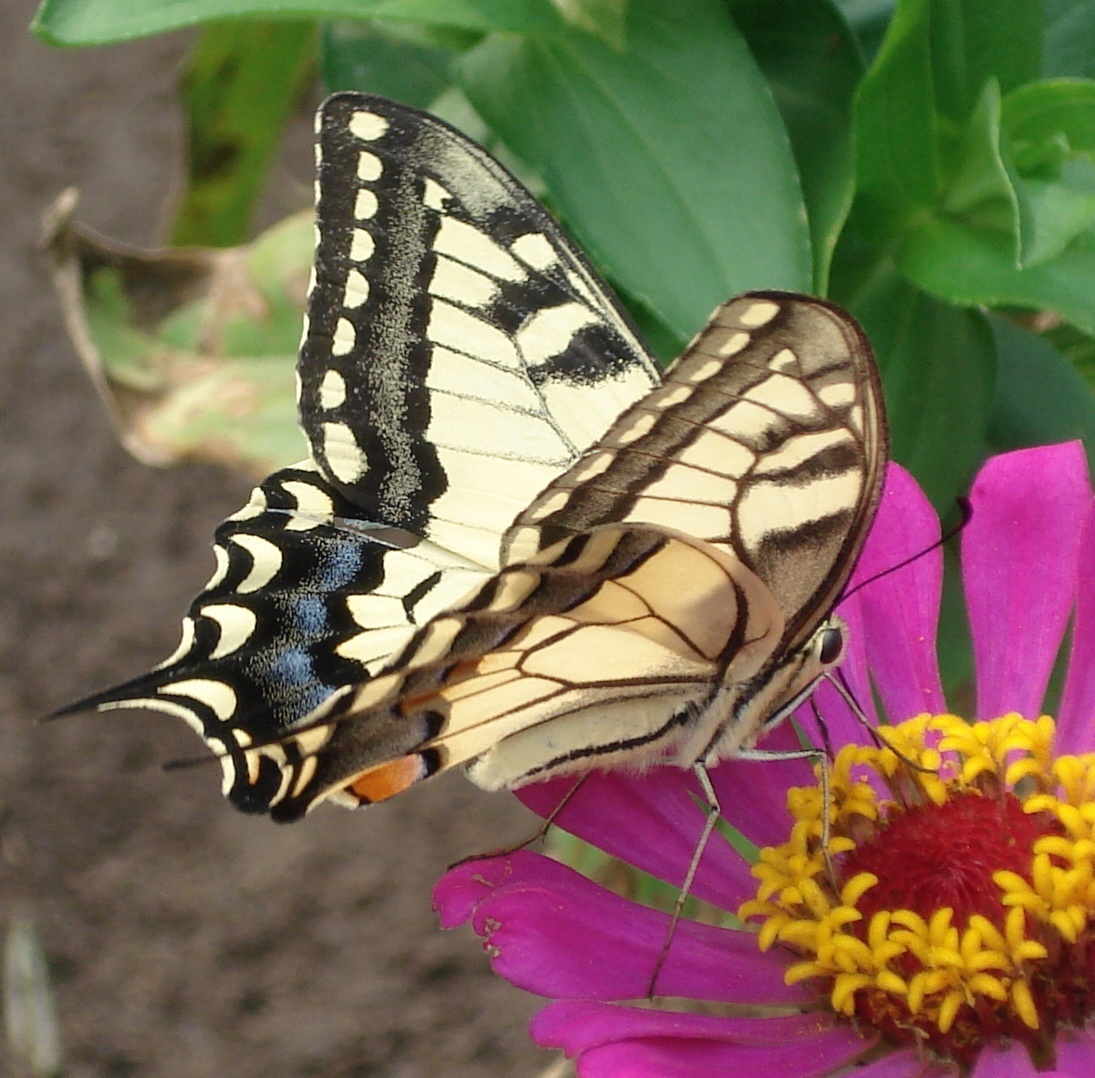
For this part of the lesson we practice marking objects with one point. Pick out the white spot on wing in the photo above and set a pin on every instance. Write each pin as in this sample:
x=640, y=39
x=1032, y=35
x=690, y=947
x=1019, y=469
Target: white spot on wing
x=311, y=502
x=549, y=331
x=733, y=344
x=345, y=338
x=185, y=644
x=784, y=360
x=758, y=313
x=362, y=246
x=535, y=249
x=368, y=125
x=343, y=454
x=357, y=289
x=434, y=195
x=221, y=556
x=254, y=508
x=332, y=390
x=369, y=166
x=838, y=394
x=266, y=559
x=218, y=696
x=365, y=205
x=237, y=625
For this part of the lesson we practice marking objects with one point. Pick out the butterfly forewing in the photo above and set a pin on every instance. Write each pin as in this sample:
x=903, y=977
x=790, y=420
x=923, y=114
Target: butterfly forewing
x=767, y=438
x=458, y=352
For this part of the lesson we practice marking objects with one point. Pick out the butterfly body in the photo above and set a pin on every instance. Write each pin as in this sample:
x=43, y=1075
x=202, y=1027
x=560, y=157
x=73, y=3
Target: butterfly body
x=515, y=546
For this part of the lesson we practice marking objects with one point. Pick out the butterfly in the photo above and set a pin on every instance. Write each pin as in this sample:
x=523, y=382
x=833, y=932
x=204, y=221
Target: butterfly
x=516, y=546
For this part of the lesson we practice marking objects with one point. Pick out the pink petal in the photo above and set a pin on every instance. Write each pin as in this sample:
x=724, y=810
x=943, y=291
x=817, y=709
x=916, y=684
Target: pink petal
x=1019, y=556
x=551, y=931
x=652, y=821
x=1075, y=1055
x=1008, y=1060
x=901, y=609
x=905, y=1063
x=625, y=1042
x=1076, y=722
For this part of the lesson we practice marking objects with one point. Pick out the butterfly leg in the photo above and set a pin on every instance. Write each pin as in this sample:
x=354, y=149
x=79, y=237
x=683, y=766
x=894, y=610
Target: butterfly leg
x=818, y=757
x=538, y=834
x=714, y=811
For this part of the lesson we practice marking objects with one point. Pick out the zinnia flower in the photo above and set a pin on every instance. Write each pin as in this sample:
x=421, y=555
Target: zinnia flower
x=950, y=931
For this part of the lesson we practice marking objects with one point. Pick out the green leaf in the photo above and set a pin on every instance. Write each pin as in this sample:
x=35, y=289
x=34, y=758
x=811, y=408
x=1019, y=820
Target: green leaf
x=868, y=20
x=193, y=351
x=922, y=90
x=981, y=191
x=973, y=260
x=1051, y=126
x=1069, y=44
x=811, y=61
x=682, y=187
x=973, y=41
x=97, y=22
x=898, y=168
x=606, y=19
x=239, y=86
x=938, y=371
x=1040, y=396
x=971, y=268
x=403, y=61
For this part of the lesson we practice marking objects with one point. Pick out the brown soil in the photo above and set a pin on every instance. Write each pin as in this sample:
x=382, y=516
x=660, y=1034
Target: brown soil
x=183, y=938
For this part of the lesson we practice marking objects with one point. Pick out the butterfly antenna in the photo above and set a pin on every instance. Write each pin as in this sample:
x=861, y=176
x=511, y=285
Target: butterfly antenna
x=840, y=683
x=966, y=511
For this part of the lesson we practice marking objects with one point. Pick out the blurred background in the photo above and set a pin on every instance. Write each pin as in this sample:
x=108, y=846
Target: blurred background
x=182, y=938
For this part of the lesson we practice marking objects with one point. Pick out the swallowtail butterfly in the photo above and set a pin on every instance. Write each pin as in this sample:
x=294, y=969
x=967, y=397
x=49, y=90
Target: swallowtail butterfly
x=515, y=546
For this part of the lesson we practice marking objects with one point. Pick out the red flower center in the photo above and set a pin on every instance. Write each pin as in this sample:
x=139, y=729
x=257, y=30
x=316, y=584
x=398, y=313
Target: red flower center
x=934, y=856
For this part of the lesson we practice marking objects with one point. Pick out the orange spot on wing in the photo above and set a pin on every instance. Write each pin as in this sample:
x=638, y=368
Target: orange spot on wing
x=387, y=780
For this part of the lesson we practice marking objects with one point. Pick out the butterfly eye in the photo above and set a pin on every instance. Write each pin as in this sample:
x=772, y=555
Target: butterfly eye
x=832, y=646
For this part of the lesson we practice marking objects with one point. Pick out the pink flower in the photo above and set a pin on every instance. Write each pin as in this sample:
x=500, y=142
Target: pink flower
x=945, y=944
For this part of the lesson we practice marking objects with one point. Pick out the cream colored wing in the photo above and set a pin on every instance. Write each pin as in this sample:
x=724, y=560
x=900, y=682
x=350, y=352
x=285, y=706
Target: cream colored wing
x=767, y=439
x=665, y=600
x=594, y=653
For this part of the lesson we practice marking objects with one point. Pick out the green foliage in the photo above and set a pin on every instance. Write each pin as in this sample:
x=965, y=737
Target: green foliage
x=238, y=90
x=919, y=161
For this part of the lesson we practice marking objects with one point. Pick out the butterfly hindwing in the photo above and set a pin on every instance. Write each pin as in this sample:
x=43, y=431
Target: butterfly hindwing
x=304, y=601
